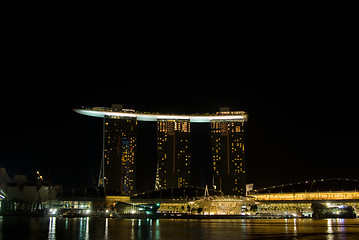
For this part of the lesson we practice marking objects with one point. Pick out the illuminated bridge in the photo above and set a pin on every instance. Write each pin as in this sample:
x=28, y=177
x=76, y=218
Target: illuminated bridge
x=297, y=199
x=317, y=190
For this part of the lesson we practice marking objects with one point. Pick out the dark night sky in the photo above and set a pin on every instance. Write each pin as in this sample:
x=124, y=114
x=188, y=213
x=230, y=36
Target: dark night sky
x=302, y=107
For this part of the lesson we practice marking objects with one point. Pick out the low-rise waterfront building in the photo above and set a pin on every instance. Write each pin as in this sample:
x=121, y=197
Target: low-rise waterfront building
x=195, y=201
x=297, y=198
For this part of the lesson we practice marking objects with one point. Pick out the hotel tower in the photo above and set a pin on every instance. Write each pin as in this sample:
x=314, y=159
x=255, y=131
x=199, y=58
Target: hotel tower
x=173, y=154
x=118, y=167
x=227, y=143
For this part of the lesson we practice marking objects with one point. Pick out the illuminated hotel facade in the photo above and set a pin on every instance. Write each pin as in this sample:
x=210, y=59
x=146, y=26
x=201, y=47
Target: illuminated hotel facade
x=227, y=140
x=173, y=154
x=118, y=172
x=119, y=156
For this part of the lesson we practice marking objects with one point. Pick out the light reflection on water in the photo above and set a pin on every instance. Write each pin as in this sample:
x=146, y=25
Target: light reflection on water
x=330, y=230
x=224, y=229
x=52, y=228
x=84, y=228
x=106, y=228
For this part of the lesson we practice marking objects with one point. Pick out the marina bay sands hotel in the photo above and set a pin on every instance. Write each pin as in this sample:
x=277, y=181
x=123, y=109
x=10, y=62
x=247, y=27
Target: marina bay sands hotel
x=118, y=171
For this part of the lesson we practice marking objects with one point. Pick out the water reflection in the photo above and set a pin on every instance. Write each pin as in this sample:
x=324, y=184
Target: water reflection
x=157, y=229
x=52, y=228
x=145, y=229
x=195, y=229
x=66, y=223
x=340, y=225
x=84, y=228
x=295, y=227
x=106, y=228
x=132, y=229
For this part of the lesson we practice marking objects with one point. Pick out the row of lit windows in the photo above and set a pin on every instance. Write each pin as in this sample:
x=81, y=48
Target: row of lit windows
x=216, y=149
x=227, y=126
x=225, y=131
x=115, y=124
x=232, y=139
x=172, y=126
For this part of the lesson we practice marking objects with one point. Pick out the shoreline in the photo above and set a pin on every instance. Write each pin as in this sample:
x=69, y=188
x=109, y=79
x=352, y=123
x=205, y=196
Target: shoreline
x=152, y=216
